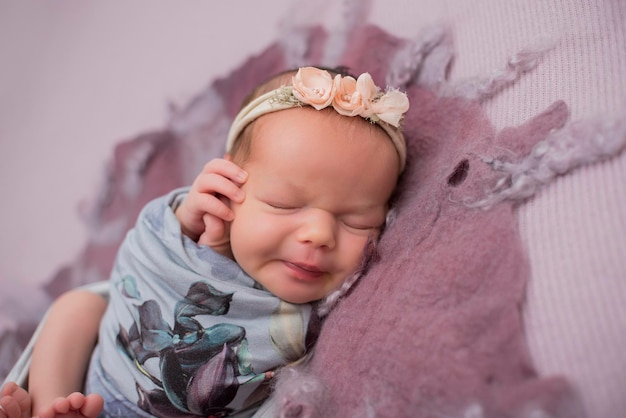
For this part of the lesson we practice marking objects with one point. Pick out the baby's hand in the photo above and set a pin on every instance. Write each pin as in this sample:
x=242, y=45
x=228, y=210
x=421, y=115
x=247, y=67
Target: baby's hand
x=205, y=213
x=15, y=402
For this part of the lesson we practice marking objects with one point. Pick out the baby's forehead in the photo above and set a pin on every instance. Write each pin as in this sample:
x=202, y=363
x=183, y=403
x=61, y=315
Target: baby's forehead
x=319, y=134
x=313, y=149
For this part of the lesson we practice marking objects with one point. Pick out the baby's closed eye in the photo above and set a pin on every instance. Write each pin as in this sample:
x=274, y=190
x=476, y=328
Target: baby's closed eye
x=362, y=223
x=281, y=205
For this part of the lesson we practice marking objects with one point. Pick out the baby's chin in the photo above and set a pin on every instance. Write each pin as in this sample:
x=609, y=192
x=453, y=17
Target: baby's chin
x=298, y=298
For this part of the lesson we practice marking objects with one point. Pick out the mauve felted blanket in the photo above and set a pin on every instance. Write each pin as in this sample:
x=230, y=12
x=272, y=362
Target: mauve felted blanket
x=434, y=328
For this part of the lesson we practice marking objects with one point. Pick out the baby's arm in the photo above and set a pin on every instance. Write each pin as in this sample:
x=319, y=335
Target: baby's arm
x=61, y=354
x=205, y=212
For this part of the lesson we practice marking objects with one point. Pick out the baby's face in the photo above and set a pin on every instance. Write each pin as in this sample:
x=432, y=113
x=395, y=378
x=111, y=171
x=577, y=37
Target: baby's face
x=317, y=189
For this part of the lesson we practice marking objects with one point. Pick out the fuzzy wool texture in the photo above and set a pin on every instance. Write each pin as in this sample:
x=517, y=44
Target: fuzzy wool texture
x=580, y=143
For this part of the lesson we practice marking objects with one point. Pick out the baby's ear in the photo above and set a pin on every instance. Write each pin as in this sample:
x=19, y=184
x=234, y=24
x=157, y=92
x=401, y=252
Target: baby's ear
x=228, y=157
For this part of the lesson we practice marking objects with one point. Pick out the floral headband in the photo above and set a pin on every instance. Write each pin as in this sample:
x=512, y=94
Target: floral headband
x=349, y=97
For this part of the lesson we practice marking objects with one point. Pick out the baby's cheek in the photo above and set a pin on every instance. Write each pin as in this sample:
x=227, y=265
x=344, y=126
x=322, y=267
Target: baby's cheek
x=353, y=251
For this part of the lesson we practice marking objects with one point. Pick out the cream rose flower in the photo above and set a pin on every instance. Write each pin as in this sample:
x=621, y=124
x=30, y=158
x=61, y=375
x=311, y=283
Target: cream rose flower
x=347, y=100
x=314, y=87
x=368, y=91
x=391, y=106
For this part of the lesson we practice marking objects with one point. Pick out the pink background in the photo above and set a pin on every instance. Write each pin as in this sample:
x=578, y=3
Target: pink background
x=77, y=77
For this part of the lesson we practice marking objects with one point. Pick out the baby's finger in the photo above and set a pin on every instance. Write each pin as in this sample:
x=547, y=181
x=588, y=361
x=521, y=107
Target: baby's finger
x=93, y=405
x=212, y=183
x=214, y=229
x=76, y=400
x=214, y=206
x=61, y=405
x=226, y=168
x=9, y=407
x=8, y=389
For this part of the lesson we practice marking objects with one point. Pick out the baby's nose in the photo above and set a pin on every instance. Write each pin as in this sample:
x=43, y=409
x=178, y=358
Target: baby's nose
x=318, y=229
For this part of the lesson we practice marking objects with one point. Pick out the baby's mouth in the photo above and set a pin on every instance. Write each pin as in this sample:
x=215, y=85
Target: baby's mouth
x=304, y=271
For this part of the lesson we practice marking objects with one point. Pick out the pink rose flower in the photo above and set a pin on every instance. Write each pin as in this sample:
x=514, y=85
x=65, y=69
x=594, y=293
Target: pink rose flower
x=314, y=87
x=347, y=100
x=391, y=106
x=354, y=97
x=368, y=91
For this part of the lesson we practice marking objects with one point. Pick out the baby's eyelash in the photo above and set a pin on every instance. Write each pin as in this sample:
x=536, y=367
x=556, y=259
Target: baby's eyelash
x=280, y=205
x=362, y=227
